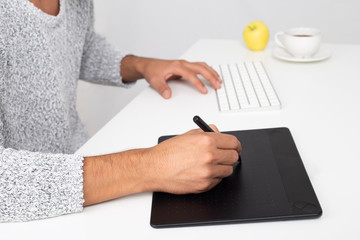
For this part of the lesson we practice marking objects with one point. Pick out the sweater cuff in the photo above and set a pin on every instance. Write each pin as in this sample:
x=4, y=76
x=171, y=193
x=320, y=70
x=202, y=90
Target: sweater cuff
x=39, y=185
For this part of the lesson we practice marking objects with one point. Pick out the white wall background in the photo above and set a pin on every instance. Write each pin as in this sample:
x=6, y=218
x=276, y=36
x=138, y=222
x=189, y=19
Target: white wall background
x=166, y=28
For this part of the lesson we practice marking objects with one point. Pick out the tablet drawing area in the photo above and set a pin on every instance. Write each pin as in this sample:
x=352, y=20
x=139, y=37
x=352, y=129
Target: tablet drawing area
x=270, y=183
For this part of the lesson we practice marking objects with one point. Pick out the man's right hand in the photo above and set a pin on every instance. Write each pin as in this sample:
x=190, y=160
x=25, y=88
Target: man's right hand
x=193, y=162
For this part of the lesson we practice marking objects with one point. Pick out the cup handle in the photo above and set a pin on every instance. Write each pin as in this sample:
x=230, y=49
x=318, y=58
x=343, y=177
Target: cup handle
x=277, y=39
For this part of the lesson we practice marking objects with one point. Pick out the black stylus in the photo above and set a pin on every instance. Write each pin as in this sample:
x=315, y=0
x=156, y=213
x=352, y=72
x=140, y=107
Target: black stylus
x=205, y=127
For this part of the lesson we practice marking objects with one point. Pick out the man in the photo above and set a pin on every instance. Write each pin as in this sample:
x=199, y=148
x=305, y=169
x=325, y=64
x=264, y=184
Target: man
x=45, y=47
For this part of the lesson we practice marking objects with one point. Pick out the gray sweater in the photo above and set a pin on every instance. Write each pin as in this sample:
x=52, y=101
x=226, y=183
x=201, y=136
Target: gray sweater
x=41, y=59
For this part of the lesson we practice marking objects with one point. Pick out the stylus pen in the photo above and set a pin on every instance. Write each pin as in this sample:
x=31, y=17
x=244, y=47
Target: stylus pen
x=205, y=127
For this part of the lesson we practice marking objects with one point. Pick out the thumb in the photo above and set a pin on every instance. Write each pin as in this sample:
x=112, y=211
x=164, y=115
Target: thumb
x=163, y=89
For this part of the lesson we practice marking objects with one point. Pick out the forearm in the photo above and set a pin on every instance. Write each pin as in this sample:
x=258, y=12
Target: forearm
x=189, y=163
x=115, y=175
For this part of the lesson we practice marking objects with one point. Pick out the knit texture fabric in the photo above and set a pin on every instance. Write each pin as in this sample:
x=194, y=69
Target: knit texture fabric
x=41, y=59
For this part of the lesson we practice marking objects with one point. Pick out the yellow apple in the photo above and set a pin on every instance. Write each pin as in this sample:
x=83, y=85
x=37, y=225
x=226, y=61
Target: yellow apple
x=256, y=35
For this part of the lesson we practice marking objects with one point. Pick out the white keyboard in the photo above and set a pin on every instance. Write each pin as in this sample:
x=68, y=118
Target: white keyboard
x=246, y=86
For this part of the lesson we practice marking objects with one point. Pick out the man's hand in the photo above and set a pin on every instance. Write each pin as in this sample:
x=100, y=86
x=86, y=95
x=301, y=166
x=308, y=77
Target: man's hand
x=193, y=162
x=157, y=72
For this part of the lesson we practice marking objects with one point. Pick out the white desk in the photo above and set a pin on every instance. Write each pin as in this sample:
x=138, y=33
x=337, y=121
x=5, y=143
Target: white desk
x=324, y=124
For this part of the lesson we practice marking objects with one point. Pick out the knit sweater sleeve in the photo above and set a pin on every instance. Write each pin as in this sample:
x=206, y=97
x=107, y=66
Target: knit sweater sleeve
x=100, y=61
x=36, y=185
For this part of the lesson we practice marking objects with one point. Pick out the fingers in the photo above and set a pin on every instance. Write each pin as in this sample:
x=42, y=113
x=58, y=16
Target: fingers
x=163, y=88
x=222, y=141
x=226, y=157
x=191, y=76
x=213, y=127
x=225, y=141
x=158, y=72
x=207, y=72
x=211, y=183
x=221, y=149
x=222, y=171
x=190, y=71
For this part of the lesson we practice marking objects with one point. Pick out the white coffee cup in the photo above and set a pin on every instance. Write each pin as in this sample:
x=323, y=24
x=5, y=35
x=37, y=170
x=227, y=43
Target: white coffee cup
x=299, y=42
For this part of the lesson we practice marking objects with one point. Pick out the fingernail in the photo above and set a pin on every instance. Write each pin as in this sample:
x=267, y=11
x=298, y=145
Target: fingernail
x=218, y=83
x=203, y=89
x=219, y=80
x=166, y=94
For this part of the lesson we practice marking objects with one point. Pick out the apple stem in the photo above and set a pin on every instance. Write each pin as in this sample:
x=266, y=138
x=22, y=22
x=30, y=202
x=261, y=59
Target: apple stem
x=252, y=27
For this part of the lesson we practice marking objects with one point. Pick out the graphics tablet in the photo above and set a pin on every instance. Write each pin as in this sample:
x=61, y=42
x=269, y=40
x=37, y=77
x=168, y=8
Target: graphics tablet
x=270, y=183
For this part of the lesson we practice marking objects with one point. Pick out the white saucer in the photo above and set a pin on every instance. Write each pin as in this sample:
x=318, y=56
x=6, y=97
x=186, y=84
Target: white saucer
x=322, y=54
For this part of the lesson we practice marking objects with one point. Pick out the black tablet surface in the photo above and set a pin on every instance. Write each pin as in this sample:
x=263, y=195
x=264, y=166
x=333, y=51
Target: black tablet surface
x=270, y=183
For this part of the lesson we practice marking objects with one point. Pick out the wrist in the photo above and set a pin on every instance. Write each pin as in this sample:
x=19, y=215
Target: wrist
x=150, y=172
x=115, y=175
x=132, y=68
